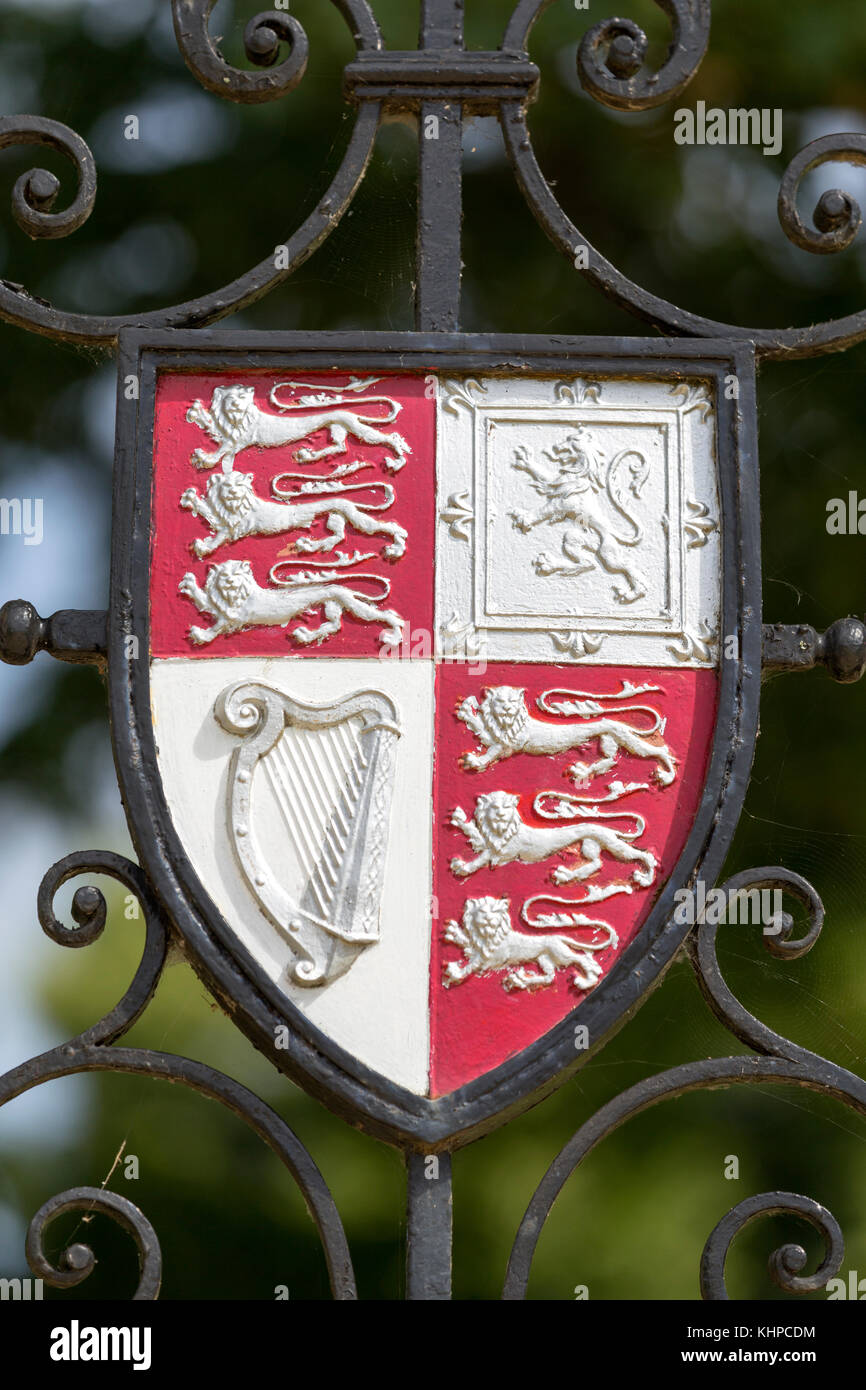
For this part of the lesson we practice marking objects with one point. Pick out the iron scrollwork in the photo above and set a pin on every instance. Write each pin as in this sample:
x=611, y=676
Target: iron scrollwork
x=777, y=1060
x=610, y=60
x=785, y=1263
x=35, y=192
x=262, y=38
x=612, y=70
x=92, y=1050
x=78, y=1260
x=612, y=53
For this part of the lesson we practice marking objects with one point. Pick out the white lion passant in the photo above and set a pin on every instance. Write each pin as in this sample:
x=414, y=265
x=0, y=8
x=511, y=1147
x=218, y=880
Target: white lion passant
x=235, y=601
x=234, y=422
x=233, y=510
x=503, y=726
x=489, y=943
x=499, y=836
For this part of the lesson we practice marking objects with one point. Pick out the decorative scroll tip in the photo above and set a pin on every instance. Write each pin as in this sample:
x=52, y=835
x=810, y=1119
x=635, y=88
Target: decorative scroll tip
x=837, y=215
x=612, y=53
x=35, y=192
x=263, y=36
x=78, y=1261
x=786, y=1263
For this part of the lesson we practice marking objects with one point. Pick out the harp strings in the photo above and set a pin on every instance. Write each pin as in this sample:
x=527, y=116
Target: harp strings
x=317, y=776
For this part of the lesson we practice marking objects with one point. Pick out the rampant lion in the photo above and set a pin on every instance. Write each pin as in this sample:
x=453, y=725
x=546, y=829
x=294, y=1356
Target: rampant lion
x=498, y=836
x=233, y=598
x=234, y=422
x=503, y=726
x=573, y=493
x=489, y=943
x=232, y=510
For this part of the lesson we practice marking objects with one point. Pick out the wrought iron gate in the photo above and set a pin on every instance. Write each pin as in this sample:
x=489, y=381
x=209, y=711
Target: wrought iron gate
x=440, y=85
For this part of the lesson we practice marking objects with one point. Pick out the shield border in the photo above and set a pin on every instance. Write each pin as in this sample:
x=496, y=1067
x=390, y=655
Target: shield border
x=351, y=1089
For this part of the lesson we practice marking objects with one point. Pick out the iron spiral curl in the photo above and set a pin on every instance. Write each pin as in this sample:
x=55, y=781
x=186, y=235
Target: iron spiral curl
x=35, y=192
x=78, y=1260
x=610, y=57
x=837, y=215
x=786, y=1263
x=778, y=1060
x=89, y=911
x=612, y=53
x=780, y=343
x=91, y=1051
x=777, y=941
x=263, y=36
x=611, y=68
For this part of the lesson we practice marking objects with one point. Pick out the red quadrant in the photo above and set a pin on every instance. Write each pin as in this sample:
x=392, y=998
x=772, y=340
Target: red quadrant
x=476, y=1024
x=175, y=528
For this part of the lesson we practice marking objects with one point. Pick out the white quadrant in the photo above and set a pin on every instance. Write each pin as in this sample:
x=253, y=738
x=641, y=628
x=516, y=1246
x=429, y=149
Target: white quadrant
x=579, y=520
x=378, y=1010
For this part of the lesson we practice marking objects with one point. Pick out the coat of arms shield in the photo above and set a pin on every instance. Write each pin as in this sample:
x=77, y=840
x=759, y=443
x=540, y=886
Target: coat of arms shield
x=434, y=666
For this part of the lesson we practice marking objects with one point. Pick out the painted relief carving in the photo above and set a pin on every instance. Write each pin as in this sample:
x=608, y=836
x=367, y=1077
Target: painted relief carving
x=233, y=510
x=694, y=644
x=503, y=726
x=302, y=505
x=545, y=582
x=236, y=602
x=577, y=644
x=462, y=393
x=459, y=515
x=330, y=769
x=498, y=835
x=235, y=422
x=694, y=397
x=591, y=498
x=489, y=943
x=577, y=392
x=698, y=525
x=579, y=518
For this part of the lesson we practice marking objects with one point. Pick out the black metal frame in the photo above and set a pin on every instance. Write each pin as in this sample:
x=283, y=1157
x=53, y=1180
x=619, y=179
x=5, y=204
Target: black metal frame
x=257, y=1004
x=442, y=79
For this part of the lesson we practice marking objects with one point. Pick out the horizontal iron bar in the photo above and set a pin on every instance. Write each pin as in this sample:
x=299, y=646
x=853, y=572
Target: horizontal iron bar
x=405, y=79
x=72, y=634
x=842, y=649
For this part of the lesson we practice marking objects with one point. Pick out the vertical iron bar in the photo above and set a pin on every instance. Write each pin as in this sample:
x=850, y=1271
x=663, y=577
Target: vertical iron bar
x=428, y=1227
x=440, y=171
x=437, y=307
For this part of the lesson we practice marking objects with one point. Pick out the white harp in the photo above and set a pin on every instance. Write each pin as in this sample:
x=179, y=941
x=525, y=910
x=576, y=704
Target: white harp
x=309, y=805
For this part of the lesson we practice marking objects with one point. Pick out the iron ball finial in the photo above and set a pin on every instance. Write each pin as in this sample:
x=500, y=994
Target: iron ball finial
x=22, y=632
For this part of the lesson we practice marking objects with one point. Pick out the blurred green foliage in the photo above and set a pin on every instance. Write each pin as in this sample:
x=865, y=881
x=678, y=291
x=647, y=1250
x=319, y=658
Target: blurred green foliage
x=696, y=226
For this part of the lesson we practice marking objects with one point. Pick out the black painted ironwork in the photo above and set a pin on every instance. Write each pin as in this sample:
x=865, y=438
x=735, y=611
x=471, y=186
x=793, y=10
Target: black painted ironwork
x=93, y=1050
x=444, y=81
x=78, y=1260
x=256, y=1003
